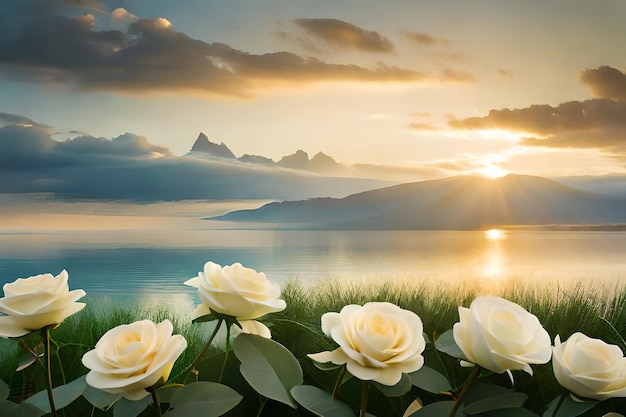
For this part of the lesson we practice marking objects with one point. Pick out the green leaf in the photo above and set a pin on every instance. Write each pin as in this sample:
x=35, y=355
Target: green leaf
x=25, y=361
x=446, y=344
x=508, y=412
x=167, y=392
x=568, y=407
x=208, y=399
x=127, y=408
x=63, y=395
x=430, y=380
x=319, y=402
x=100, y=399
x=10, y=409
x=484, y=391
x=4, y=390
x=205, y=318
x=508, y=400
x=269, y=367
x=402, y=387
x=438, y=409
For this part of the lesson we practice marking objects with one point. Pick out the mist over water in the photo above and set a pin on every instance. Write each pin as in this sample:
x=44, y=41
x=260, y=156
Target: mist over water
x=133, y=265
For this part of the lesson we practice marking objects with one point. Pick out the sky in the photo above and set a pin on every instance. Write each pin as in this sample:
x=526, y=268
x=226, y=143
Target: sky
x=489, y=86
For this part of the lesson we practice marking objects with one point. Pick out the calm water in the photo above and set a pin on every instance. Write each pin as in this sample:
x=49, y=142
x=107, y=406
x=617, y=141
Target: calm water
x=135, y=264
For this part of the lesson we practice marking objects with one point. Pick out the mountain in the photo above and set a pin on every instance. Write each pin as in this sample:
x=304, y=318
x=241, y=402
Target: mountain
x=321, y=164
x=458, y=203
x=203, y=144
x=298, y=160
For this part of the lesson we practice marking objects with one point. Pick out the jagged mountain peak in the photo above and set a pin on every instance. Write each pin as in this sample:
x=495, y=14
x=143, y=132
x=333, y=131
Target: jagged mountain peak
x=203, y=144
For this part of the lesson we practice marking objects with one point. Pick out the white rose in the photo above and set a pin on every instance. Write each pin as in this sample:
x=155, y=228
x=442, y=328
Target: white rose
x=377, y=341
x=132, y=357
x=499, y=335
x=236, y=291
x=589, y=368
x=36, y=302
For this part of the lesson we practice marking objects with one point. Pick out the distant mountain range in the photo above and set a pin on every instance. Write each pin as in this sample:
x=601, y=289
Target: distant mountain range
x=456, y=203
x=320, y=163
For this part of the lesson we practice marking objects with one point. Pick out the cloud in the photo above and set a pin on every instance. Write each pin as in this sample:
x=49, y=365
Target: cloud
x=130, y=168
x=344, y=35
x=38, y=45
x=425, y=39
x=595, y=123
x=421, y=126
x=605, y=82
x=8, y=118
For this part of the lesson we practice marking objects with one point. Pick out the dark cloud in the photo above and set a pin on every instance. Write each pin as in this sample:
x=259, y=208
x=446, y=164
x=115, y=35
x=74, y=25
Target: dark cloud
x=425, y=39
x=594, y=123
x=126, y=145
x=345, y=35
x=605, y=82
x=39, y=45
x=8, y=118
x=130, y=168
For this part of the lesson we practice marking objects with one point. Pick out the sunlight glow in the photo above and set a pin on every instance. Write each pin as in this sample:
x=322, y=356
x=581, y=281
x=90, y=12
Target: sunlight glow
x=495, y=234
x=492, y=171
x=493, y=265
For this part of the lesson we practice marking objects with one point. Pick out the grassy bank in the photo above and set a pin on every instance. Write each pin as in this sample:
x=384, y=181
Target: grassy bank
x=598, y=311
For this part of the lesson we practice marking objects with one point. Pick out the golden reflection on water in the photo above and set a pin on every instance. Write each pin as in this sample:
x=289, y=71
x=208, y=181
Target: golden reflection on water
x=494, y=257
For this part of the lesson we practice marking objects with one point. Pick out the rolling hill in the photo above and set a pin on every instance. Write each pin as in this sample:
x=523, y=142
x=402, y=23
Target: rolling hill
x=459, y=203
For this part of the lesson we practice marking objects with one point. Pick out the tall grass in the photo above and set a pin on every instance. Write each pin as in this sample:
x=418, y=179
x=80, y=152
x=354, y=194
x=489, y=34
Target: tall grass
x=596, y=310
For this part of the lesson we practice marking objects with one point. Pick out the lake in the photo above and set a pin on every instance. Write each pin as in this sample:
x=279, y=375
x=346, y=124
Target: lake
x=140, y=264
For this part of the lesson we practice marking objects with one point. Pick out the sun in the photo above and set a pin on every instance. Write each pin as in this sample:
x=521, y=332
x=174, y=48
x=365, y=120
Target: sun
x=492, y=171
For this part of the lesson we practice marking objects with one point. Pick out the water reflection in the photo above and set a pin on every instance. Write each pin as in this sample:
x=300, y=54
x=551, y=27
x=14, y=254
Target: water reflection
x=494, y=257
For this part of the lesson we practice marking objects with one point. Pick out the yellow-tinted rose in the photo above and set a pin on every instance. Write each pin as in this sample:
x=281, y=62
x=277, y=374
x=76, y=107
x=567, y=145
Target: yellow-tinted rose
x=36, y=302
x=589, y=368
x=500, y=335
x=132, y=357
x=377, y=341
x=236, y=291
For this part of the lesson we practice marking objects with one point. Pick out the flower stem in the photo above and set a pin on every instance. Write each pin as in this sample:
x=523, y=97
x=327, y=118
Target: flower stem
x=193, y=364
x=46, y=343
x=155, y=400
x=466, y=385
x=58, y=357
x=364, y=386
x=338, y=382
x=225, y=353
x=261, y=406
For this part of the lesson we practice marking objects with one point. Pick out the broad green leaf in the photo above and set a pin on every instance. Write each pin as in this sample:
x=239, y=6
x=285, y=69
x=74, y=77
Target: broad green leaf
x=63, y=395
x=10, y=409
x=167, y=392
x=446, y=344
x=4, y=390
x=438, y=409
x=100, y=399
x=484, y=391
x=319, y=402
x=208, y=399
x=128, y=408
x=568, y=407
x=269, y=367
x=508, y=400
x=508, y=412
x=398, y=390
x=430, y=380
